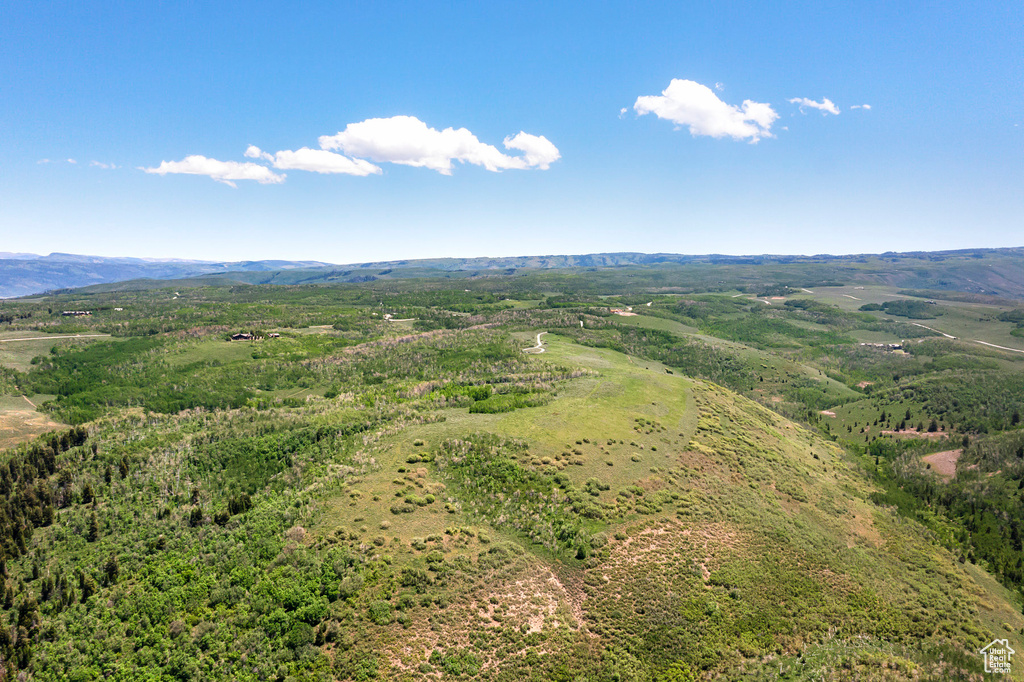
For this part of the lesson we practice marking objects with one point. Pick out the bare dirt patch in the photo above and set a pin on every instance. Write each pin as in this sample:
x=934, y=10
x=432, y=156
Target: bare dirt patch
x=828, y=413
x=18, y=426
x=529, y=597
x=864, y=384
x=944, y=463
x=914, y=433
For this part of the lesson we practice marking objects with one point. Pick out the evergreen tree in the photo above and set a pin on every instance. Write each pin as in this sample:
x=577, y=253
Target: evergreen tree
x=112, y=569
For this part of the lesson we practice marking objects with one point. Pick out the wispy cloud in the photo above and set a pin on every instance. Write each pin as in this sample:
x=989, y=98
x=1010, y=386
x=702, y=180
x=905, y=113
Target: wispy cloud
x=688, y=103
x=825, y=106
x=221, y=171
x=322, y=161
x=72, y=161
x=861, y=106
x=313, y=160
x=408, y=141
x=104, y=166
x=41, y=161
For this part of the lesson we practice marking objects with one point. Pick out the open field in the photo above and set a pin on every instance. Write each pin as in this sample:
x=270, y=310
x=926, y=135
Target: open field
x=943, y=463
x=968, y=321
x=18, y=348
x=20, y=421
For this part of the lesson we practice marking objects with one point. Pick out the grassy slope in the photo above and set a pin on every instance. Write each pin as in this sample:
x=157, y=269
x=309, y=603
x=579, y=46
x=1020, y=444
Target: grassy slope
x=769, y=550
x=776, y=366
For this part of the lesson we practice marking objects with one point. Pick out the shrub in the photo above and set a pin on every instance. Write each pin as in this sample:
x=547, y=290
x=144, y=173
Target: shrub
x=380, y=612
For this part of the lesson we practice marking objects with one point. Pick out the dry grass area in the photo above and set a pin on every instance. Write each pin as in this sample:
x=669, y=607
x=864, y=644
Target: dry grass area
x=20, y=422
x=944, y=463
x=914, y=433
x=526, y=597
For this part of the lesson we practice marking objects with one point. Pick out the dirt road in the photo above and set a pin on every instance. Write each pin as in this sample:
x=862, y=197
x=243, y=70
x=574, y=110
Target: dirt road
x=539, y=348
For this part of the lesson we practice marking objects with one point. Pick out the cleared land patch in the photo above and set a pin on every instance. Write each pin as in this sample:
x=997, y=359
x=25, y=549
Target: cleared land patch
x=20, y=422
x=944, y=463
x=18, y=348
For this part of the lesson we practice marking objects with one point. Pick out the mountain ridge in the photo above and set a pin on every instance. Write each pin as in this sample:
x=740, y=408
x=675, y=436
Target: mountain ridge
x=996, y=271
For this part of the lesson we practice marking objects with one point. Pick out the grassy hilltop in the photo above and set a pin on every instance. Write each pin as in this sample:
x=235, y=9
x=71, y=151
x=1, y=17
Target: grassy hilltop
x=747, y=482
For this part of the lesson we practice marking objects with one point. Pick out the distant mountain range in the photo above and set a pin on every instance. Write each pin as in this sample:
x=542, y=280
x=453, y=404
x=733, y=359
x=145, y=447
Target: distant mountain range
x=996, y=272
x=22, y=274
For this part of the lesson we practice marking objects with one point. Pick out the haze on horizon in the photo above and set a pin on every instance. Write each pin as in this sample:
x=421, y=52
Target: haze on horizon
x=358, y=134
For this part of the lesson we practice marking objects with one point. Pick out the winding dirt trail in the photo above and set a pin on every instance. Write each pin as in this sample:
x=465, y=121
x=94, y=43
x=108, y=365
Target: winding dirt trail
x=985, y=343
x=539, y=348
x=933, y=330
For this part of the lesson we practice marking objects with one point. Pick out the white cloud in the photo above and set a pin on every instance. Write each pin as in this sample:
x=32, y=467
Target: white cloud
x=408, y=141
x=688, y=103
x=104, y=166
x=72, y=161
x=43, y=161
x=720, y=87
x=861, y=106
x=221, y=171
x=403, y=140
x=825, y=106
x=254, y=152
x=622, y=112
x=538, y=152
x=320, y=161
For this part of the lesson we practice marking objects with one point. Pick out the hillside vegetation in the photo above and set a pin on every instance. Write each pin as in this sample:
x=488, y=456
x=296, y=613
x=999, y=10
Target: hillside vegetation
x=379, y=483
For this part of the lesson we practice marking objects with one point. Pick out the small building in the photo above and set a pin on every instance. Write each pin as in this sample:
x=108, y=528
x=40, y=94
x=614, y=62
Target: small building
x=273, y=335
x=242, y=336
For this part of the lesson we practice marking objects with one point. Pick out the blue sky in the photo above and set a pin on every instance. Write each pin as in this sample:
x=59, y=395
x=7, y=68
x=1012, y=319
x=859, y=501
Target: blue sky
x=635, y=133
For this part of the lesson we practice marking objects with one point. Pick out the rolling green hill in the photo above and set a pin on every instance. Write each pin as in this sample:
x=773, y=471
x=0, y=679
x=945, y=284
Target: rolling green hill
x=391, y=479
